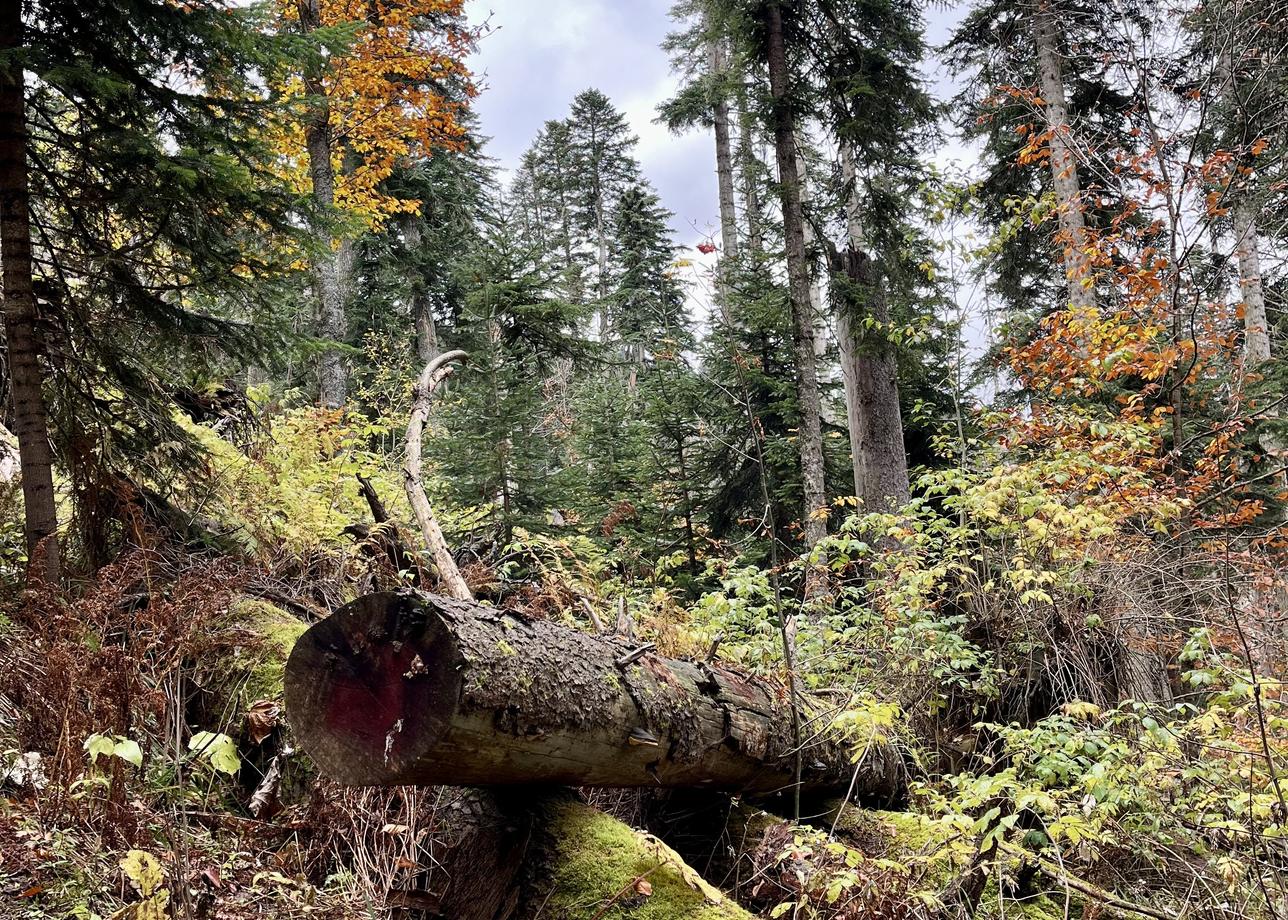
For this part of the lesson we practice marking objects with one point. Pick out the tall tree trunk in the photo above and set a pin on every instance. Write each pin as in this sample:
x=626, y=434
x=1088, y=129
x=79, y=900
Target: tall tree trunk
x=23, y=338
x=422, y=308
x=810, y=435
x=869, y=370
x=747, y=163
x=1256, y=326
x=724, y=181
x=601, y=233
x=1064, y=171
x=334, y=264
x=816, y=310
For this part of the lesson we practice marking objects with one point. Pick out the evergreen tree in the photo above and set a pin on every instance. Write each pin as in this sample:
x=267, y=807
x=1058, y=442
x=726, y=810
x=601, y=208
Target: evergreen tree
x=600, y=154
x=500, y=445
x=996, y=47
x=135, y=293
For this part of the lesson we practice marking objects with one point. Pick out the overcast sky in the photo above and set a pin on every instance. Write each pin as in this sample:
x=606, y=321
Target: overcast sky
x=540, y=53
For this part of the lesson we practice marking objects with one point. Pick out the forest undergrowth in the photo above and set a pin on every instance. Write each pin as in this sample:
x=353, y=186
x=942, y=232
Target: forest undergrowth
x=1080, y=679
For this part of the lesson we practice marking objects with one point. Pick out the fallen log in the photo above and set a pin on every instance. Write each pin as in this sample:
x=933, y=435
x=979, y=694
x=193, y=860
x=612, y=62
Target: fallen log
x=411, y=688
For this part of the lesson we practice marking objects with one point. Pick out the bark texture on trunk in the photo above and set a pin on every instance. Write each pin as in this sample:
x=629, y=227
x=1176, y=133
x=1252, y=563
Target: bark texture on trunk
x=724, y=182
x=1256, y=325
x=333, y=265
x=24, y=341
x=870, y=371
x=413, y=688
x=1064, y=170
x=748, y=161
x=810, y=434
x=422, y=308
x=872, y=380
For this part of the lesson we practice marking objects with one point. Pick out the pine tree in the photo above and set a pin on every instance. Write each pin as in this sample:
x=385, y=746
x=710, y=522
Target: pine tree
x=602, y=164
x=810, y=435
x=1067, y=101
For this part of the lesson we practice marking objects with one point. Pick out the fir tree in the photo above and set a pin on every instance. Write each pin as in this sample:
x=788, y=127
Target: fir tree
x=138, y=293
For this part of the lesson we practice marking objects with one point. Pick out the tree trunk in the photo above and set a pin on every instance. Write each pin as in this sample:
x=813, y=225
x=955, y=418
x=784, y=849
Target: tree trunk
x=412, y=688
x=422, y=309
x=747, y=163
x=1064, y=171
x=24, y=341
x=334, y=264
x=870, y=369
x=724, y=181
x=810, y=433
x=1256, y=326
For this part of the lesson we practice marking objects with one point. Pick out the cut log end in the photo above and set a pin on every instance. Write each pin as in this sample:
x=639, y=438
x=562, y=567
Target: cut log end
x=372, y=688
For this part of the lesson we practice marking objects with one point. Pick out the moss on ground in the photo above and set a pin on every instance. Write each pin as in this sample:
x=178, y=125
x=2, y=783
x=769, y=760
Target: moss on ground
x=595, y=857
x=263, y=662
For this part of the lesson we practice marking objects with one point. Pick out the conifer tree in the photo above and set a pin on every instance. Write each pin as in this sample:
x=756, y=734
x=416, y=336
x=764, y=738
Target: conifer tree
x=600, y=154
x=134, y=294
x=499, y=446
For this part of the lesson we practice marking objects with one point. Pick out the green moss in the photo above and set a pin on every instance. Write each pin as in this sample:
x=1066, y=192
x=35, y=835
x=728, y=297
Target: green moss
x=264, y=661
x=594, y=857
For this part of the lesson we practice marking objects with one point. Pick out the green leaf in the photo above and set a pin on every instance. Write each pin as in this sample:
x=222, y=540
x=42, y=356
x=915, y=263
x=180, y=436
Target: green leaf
x=217, y=749
x=99, y=746
x=129, y=751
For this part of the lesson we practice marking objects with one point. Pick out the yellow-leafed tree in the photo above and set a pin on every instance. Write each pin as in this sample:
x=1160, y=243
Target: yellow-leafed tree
x=382, y=83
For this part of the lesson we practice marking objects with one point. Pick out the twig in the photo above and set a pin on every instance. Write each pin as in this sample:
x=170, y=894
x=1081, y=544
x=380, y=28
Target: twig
x=594, y=617
x=635, y=655
x=625, y=888
x=1111, y=901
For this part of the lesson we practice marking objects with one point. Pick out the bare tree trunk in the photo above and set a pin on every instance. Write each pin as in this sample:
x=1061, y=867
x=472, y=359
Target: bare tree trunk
x=870, y=370
x=449, y=575
x=23, y=338
x=1064, y=171
x=422, y=309
x=332, y=266
x=811, y=261
x=1256, y=325
x=747, y=163
x=810, y=434
x=724, y=181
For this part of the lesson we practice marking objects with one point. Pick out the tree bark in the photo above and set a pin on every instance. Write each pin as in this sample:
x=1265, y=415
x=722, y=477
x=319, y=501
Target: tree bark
x=1256, y=326
x=422, y=308
x=748, y=160
x=870, y=370
x=449, y=575
x=810, y=433
x=724, y=182
x=1064, y=170
x=23, y=338
x=412, y=688
x=332, y=266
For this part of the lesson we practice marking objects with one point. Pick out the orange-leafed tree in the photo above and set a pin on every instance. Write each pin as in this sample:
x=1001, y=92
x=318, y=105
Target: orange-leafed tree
x=382, y=82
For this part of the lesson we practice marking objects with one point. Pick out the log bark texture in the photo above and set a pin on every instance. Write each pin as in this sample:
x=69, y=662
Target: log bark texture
x=406, y=688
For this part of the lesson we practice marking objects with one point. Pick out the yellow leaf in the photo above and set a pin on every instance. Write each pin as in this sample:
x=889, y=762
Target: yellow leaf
x=143, y=871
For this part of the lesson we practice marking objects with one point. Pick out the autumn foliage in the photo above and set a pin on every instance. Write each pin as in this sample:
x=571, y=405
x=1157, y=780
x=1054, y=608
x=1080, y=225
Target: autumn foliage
x=396, y=89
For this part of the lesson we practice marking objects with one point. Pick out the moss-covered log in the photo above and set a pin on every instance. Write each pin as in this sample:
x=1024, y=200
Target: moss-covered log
x=588, y=865
x=412, y=688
